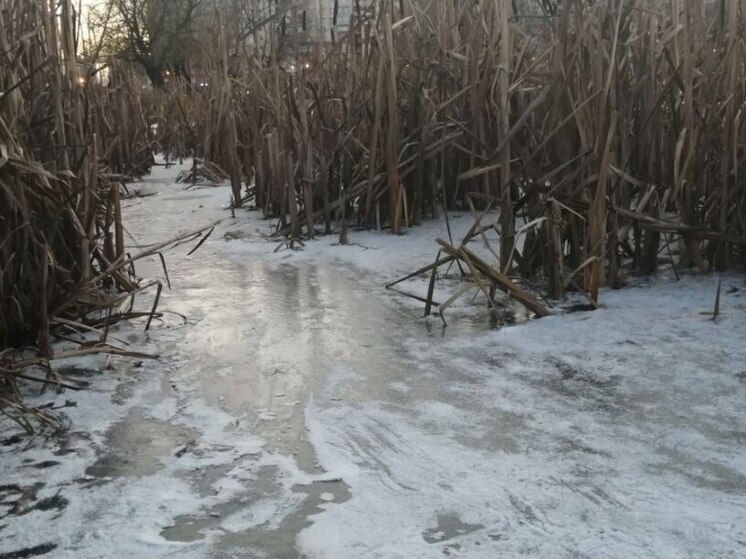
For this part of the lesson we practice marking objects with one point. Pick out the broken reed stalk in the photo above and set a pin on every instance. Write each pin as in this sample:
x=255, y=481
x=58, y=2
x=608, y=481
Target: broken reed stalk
x=499, y=279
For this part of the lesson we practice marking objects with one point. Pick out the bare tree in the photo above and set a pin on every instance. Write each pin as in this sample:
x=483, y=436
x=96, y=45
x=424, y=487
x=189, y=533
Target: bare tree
x=156, y=34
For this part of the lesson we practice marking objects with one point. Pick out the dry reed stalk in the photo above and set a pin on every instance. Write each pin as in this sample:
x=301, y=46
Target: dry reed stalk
x=63, y=138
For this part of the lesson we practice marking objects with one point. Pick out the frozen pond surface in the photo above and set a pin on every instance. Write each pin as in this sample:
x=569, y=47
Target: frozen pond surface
x=303, y=411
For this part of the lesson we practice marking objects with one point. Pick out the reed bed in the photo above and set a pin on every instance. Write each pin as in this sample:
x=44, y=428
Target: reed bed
x=64, y=145
x=607, y=134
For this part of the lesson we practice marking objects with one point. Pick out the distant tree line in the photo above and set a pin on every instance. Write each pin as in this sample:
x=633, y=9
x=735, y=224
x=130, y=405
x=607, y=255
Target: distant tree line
x=163, y=36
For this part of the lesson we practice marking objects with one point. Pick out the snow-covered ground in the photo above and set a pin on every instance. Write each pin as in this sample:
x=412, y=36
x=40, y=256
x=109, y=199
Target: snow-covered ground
x=303, y=410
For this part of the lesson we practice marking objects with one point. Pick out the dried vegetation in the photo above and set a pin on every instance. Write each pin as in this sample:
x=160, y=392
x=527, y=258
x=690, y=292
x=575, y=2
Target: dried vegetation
x=606, y=133
x=65, y=142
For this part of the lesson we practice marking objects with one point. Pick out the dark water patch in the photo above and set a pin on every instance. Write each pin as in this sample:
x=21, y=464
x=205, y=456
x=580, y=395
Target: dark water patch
x=17, y=499
x=449, y=527
x=279, y=540
x=16, y=439
x=136, y=445
x=45, y=464
x=35, y=551
x=56, y=502
x=264, y=537
x=74, y=371
x=64, y=451
x=579, y=307
x=9, y=491
x=68, y=442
